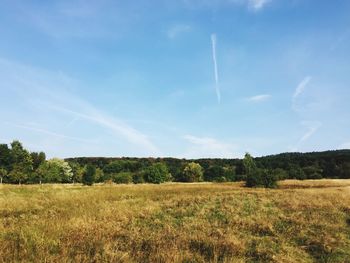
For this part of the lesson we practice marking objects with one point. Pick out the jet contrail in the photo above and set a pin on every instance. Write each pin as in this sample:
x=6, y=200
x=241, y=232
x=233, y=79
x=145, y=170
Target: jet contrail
x=213, y=42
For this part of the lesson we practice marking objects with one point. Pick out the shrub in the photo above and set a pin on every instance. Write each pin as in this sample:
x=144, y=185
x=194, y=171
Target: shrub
x=89, y=175
x=214, y=173
x=137, y=178
x=280, y=174
x=254, y=178
x=230, y=174
x=193, y=172
x=269, y=179
x=157, y=173
x=261, y=178
x=122, y=178
x=221, y=179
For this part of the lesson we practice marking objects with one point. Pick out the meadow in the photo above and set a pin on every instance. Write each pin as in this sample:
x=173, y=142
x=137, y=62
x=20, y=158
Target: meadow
x=301, y=221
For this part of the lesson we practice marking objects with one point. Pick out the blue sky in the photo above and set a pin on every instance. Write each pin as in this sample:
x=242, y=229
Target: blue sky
x=186, y=78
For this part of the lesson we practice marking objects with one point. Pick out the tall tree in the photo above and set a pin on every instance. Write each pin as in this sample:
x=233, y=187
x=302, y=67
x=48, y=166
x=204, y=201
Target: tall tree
x=249, y=164
x=3, y=173
x=157, y=173
x=5, y=156
x=89, y=175
x=193, y=172
x=21, y=163
x=38, y=158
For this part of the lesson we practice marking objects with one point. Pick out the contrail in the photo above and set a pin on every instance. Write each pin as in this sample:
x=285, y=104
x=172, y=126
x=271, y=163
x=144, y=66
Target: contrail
x=213, y=42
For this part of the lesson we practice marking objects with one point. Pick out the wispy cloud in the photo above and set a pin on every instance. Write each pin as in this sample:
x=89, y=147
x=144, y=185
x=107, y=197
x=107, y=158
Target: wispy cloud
x=207, y=147
x=54, y=134
x=48, y=91
x=118, y=127
x=257, y=4
x=298, y=91
x=345, y=145
x=259, y=98
x=178, y=29
x=311, y=128
x=216, y=75
x=301, y=87
x=253, y=5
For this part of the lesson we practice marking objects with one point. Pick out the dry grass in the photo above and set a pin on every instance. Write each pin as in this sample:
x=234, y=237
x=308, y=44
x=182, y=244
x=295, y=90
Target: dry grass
x=305, y=222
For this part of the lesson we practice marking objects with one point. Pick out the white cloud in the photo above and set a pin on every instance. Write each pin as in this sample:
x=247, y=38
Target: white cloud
x=311, y=128
x=254, y=5
x=259, y=98
x=48, y=92
x=54, y=134
x=117, y=126
x=301, y=87
x=201, y=147
x=216, y=75
x=176, y=30
x=257, y=4
x=345, y=145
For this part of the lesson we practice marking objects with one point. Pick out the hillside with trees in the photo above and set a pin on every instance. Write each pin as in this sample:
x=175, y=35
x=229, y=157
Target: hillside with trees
x=19, y=166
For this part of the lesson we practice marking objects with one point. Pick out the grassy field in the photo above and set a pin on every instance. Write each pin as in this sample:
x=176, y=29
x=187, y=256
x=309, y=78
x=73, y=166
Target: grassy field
x=303, y=221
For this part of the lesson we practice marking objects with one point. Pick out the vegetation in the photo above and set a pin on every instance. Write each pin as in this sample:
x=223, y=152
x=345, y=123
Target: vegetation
x=307, y=221
x=258, y=177
x=89, y=175
x=193, y=172
x=19, y=166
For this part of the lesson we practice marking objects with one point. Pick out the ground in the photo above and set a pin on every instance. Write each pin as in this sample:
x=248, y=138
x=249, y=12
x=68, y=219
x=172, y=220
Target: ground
x=302, y=221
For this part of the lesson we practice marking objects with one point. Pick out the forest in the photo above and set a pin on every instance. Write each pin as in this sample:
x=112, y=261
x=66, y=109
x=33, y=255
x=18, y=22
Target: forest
x=20, y=166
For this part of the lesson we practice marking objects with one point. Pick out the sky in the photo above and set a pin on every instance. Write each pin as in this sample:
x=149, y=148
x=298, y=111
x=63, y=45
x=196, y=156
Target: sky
x=178, y=78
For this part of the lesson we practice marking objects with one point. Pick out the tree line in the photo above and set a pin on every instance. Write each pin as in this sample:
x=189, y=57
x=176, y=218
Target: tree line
x=19, y=166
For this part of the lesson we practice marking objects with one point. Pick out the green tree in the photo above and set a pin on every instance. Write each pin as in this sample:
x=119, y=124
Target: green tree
x=281, y=174
x=257, y=177
x=230, y=174
x=5, y=156
x=249, y=164
x=122, y=178
x=54, y=171
x=17, y=175
x=77, y=171
x=254, y=178
x=38, y=158
x=137, y=178
x=99, y=175
x=215, y=173
x=157, y=173
x=193, y=172
x=3, y=173
x=89, y=175
x=21, y=163
x=295, y=172
x=269, y=178
x=313, y=172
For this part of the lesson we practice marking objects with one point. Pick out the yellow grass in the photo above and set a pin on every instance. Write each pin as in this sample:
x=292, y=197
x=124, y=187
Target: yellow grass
x=305, y=221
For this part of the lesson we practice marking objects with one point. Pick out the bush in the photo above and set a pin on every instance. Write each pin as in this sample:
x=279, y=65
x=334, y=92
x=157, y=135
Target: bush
x=122, y=178
x=221, y=179
x=269, y=179
x=157, y=173
x=295, y=172
x=230, y=174
x=214, y=173
x=89, y=175
x=254, y=178
x=193, y=172
x=261, y=178
x=137, y=178
x=280, y=174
